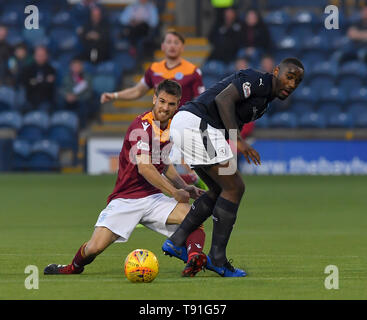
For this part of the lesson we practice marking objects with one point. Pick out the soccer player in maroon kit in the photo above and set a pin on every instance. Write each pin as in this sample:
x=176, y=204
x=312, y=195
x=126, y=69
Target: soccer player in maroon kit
x=138, y=194
x=173, y=67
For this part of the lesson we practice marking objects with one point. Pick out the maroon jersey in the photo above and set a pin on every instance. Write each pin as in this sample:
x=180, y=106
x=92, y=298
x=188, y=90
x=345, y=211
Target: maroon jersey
x=185, y=73
x=139, y=140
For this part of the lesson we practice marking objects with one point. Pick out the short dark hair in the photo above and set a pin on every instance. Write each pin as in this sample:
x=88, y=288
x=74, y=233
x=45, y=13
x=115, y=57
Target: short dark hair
x=175, y=33
x=169, y=86
x=294, y=61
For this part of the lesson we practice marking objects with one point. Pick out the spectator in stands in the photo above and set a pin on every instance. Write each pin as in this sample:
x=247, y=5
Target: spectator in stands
x=76, y=90
x=225, y=39
x=81, y=11
x=5, y=53
x=267, y=63
x=357, y=33
x=242, y=63
x=139, y=20
x=255, y=36
x=20, y=59
x=38, y=79
x=95, y=37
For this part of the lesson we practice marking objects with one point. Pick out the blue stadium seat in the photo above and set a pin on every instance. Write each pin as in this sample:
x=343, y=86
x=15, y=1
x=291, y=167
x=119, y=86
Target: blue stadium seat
x=63, y=40
x=62, y=18
x=64, y=129
x=110, y=67
x=329, y=108
x=323, y=68
x=312, y=120
x=10, y=119
x=352, y=68
x=34, y=127
x=361, y=120
x=44, y=156
x=277, y=17
x=12, y=15
x=334, y=94
x=310, y=57
x=283, y=119
x=301, y=107
x=356, y=108
x=350, y=83
x=14, y=36
x=321, y=83
x=358, y=95
x=210, y=80
x=214, y=68
x=305, y=94
x=300, y=30
x=21, y=153
x=125, y=61
x=277, y=31
x=36, y=37
x=103, y=83
x=288, y=42
x=7, y=98
x=263, y=122
x=340, y=120
x=318, y=42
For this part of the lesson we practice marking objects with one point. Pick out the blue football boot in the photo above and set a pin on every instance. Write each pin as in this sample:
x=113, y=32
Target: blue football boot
x=227, y=270
x=173, y=251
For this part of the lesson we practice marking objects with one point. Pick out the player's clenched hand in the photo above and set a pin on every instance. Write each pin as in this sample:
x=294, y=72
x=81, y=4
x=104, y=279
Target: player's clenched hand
x=107, y=96
x=249, y=152
x=194, y=191
x=181, y=195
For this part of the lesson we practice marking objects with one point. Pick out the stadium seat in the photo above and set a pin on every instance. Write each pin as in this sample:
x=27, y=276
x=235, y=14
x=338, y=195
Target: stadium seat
x=103, y=83
x=14, y=36
x=36, y=37
x=356, y=108
x=263, y=122
x=318, y=42
x=214, y=68
x=7, y=98
x=11, y=16
x=361, y=120
x=210, y=80
x=63, y=40
x=124, y=61
x=321, y=83
x=329, y=108
x=21, y=153
x=358, y=95
x=301, y=107
x=300, y=30
x=334, y=94
x=340, y=120
x=305, y=94
x=10, y=119
x=283, y=119
x=64, y=129
x=61, y=18
x=277, y=17
x=323, y=68
x=34, y=127
x=312, y=120
x=44, y=156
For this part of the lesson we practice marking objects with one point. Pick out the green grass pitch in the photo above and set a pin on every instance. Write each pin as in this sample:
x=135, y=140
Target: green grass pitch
x=289, y=228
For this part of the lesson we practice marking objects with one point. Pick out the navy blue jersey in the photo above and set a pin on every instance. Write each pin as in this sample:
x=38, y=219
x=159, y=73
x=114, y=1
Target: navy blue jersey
x=254, y=88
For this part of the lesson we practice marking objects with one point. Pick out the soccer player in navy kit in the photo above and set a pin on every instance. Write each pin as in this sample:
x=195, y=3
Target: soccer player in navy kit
x=201, y=129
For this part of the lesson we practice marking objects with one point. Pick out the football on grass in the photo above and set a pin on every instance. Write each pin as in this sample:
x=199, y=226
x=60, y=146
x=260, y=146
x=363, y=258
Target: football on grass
x=141, y=265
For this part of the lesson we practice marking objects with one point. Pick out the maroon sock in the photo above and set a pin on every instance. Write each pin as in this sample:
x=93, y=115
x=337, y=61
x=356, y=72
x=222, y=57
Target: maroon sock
x=80, y=260
x=195, y=242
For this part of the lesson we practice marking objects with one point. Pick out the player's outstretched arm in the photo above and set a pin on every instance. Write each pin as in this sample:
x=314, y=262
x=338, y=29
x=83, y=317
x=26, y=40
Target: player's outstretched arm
x=173, y=176
x=226, y=104
x=135, y=92
x=152, y=175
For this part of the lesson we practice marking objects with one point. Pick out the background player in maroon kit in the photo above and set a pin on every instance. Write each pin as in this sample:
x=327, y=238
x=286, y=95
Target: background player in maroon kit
x=173, y=67
x=138, y=193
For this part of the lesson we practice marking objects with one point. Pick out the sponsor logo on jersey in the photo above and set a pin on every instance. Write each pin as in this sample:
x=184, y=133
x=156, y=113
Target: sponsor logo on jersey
x=142, y=145
x=179, y=75
x=145, y=125
x=246, y=89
